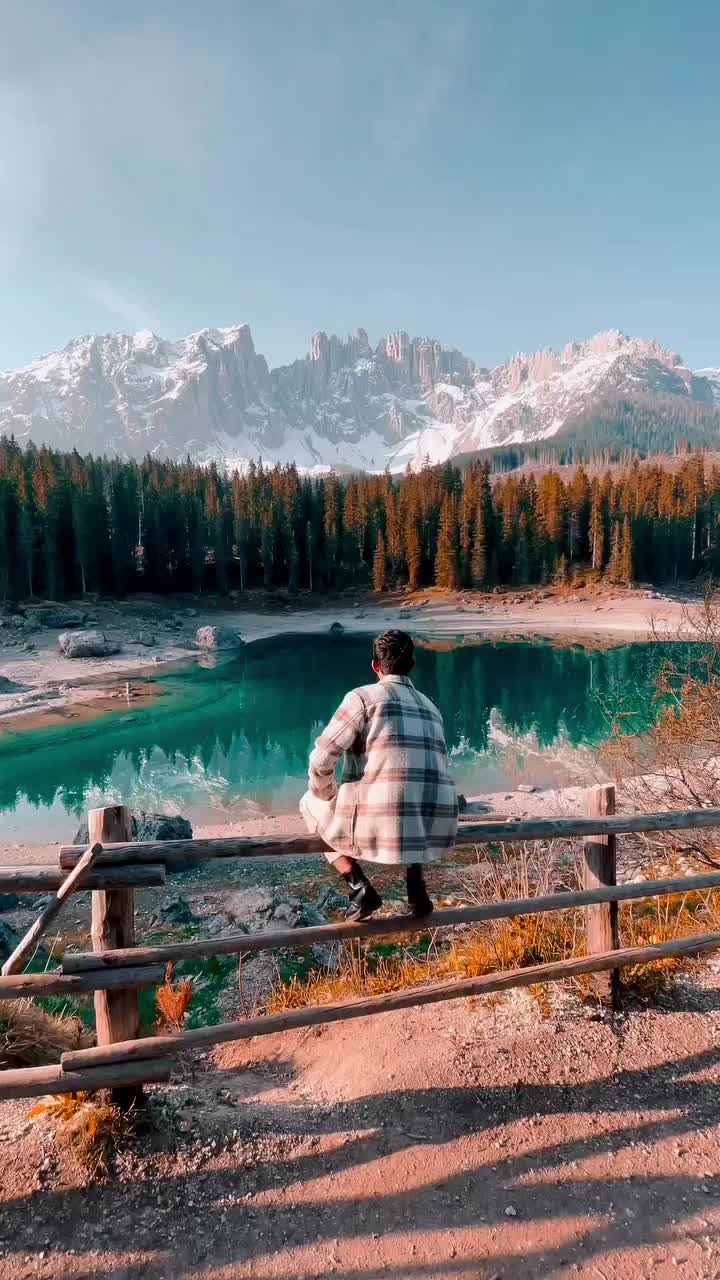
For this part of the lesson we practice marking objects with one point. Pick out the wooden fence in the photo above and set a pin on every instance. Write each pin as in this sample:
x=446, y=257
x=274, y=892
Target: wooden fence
x=114, y=865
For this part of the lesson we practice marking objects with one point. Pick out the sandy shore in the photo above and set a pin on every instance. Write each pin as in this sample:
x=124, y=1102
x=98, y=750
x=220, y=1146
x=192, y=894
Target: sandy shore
x=538, y=803
x=49, y=687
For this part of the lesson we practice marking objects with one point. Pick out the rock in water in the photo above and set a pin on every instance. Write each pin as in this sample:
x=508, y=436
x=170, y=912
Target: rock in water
x=149, y=826
x=218, y=638
x=336, y=628
x=86, y=644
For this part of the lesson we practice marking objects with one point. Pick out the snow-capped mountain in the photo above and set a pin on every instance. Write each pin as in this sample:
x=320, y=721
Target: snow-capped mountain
x=346, y=404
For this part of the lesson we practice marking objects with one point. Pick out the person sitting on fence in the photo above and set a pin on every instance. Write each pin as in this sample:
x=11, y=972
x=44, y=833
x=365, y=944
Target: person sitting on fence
x=396, y=802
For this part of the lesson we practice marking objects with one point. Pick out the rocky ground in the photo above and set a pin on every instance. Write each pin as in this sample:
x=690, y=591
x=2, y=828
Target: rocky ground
x=468, y=1140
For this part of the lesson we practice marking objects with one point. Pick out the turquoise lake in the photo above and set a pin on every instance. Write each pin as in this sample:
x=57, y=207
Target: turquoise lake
x=229, y=740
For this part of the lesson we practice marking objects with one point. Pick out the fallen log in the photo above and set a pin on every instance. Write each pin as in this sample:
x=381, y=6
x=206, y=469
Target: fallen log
x=34, y=879
x=237, y=943
x=29, y=1082
x=52, y=910
x=56, y=983
x=269, y=1024
x=178, y=853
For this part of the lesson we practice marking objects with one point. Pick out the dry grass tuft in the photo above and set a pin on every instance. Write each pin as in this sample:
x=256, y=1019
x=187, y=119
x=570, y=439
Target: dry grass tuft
x=172, y=1001
x=30, y=1037
x=90, y=1131
x=515, y=943
x=360, y=972
x=679, y=915
x=675, y=764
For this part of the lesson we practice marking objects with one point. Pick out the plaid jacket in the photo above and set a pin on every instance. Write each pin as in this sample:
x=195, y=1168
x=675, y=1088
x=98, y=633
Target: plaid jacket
x=396, y=802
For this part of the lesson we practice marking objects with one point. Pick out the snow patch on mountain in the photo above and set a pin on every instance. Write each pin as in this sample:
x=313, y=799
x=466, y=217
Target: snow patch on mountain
x=345, y=405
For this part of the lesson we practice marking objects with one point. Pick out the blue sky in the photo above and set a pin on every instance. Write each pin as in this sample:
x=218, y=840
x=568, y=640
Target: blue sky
x=502, y=176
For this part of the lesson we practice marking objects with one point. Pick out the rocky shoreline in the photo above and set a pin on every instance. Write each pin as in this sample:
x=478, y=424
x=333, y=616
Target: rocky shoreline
x=46, y=671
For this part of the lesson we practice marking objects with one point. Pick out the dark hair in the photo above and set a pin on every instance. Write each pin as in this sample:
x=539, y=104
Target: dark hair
x=394, y=653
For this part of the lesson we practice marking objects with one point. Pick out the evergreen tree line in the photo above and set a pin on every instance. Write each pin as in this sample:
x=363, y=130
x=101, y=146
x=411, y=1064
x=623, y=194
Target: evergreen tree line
x=619, y=429
x=71, y=525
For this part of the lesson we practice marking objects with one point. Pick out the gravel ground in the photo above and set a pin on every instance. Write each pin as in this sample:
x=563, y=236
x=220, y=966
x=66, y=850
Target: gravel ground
x=463, y=1140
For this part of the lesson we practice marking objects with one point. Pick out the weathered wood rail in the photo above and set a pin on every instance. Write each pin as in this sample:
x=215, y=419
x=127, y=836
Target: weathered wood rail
x=116, y=968
x=181, y=853
x=505, y=908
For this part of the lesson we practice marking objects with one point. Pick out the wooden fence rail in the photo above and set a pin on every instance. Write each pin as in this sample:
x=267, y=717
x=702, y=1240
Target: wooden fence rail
x=49, y=879
x=21, y=986
x=506, y=908
x=116, y=968
x=269, y=1024
x=181, y=853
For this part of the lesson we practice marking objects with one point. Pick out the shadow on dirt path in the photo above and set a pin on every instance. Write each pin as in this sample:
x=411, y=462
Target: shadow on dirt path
x=610, y=1179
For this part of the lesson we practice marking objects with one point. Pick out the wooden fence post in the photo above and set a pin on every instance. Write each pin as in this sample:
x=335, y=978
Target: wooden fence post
x=599, y=870
x=117, y=1013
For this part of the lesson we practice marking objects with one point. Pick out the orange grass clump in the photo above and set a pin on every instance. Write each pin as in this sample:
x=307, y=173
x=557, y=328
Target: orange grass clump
x=511, y=944
x=172, y=1001
x=90, y=1131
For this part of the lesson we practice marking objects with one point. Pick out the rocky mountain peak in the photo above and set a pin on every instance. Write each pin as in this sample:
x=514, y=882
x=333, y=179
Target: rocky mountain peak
x=345, y=404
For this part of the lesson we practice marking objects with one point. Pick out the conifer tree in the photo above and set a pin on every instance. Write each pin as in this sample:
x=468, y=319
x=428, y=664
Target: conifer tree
x=332, y=526
x=446, y=559
x=393, y=532
x=478, y=563
x=310, y=551
x=267, y=554
x=626, y=556
x=6, y=539
x=379, y=564
x=413, y=555
x=597, y=529
x=615, y=568
x=522, y=554
x=26, y=536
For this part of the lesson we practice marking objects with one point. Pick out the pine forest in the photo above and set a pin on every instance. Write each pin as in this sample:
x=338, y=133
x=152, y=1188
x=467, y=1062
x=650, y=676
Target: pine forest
x=70, y=525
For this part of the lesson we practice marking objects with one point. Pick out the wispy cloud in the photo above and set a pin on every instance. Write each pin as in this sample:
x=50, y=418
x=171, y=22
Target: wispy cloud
x=130, y=312
x=82, y=126
x=420, y=67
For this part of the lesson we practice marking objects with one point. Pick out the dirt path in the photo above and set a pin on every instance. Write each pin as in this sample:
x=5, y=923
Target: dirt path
x=454, y=1142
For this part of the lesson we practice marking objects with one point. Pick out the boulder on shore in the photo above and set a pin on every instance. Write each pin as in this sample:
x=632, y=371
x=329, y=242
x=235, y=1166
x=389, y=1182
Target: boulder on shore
x=212, y=638
x=8, y=941
x=57, y=615
x=86, y=644
x=149, y=826
x=174, y=910
x=146, y=638
x=253, y=910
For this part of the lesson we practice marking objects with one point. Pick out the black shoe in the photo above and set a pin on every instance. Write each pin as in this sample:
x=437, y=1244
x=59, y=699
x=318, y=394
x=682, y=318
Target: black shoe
x=364, y=901
x=421, y=904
